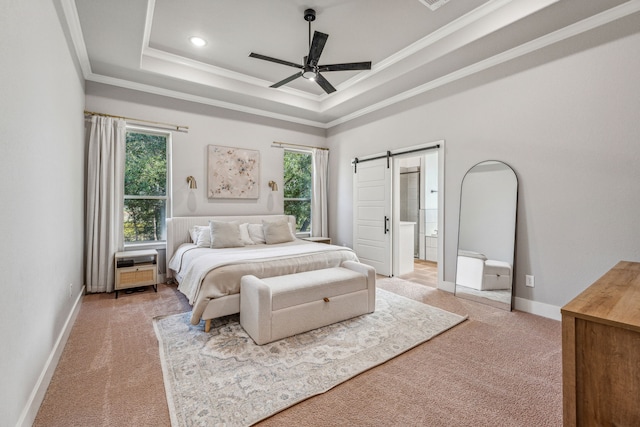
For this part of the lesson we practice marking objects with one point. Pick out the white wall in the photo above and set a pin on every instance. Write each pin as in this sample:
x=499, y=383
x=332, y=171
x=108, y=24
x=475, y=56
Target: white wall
x=42, y=187
x=209, y=126
x=566, y=118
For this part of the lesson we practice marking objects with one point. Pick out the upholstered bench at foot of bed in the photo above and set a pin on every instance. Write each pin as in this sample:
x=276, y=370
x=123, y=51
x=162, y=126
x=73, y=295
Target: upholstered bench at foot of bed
x=497, y=275
x=282, y=306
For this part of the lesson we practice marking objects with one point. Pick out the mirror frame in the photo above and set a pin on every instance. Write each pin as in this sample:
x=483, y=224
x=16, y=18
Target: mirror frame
x=475, y=262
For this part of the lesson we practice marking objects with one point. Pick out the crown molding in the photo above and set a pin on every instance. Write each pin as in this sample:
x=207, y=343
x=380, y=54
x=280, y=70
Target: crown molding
x=618, y=12
x=75, y=31
x=155, y=90
x=427, y=41
x=580, y=27
x=149, y=52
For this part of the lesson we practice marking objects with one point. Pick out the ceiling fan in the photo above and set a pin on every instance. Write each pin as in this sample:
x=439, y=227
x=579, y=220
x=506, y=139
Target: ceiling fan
x=310, y=69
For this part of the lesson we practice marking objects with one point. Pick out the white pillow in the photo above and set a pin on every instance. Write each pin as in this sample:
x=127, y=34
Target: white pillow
x=193, y=234
x=256, y=234
x=201, y=236
x=225, y=234
x=277, y=232
x=244, y=234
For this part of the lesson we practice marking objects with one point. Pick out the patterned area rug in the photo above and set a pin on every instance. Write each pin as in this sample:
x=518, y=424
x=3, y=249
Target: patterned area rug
x=224, y=378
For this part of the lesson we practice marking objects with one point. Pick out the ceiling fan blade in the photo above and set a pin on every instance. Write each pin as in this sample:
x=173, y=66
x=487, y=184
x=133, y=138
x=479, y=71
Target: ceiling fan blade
x=277, y=61
x=324, y=84
x=346, y=67
x=287, y=80
x=317, y=45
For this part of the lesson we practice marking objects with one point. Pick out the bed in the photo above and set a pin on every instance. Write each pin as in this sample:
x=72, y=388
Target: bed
x=210, y=277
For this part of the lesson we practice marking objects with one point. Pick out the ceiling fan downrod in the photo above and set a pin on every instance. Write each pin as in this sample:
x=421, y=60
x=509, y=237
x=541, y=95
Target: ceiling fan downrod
x=309, y=16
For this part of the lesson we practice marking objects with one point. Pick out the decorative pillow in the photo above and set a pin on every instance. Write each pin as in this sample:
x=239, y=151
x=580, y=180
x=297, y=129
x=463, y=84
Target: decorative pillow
x=225, y=234
x=201, y=236
x=193, y=234
x=256, y=234
x=244, y=234
x=277, y=232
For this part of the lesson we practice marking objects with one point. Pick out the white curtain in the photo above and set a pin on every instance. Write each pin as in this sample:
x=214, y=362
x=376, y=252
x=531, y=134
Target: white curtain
x=319, y=223
x=105, y=201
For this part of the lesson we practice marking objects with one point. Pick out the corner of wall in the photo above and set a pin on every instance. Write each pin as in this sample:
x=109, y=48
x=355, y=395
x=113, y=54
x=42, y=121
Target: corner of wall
x=36, y=397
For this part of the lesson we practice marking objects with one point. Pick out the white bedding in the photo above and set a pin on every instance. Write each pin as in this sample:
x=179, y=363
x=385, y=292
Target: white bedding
x=204, y=274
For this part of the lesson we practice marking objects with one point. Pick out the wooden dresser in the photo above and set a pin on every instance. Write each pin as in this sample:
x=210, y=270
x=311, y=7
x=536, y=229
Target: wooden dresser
x=601, y=351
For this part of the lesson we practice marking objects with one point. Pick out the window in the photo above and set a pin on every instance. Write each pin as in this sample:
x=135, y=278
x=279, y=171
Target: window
x=298, y=181
x=145, y=186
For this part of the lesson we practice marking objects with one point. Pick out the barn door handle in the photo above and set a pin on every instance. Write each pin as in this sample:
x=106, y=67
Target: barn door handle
x=386, y=224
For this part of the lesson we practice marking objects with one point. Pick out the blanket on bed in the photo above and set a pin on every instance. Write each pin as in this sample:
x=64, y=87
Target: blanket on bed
x=204, y=274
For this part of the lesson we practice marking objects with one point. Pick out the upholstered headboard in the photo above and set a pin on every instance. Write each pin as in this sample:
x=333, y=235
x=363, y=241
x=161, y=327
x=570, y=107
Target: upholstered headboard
x=178, y=228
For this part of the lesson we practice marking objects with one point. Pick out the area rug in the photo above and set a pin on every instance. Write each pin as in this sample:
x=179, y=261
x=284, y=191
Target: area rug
x=224, y=378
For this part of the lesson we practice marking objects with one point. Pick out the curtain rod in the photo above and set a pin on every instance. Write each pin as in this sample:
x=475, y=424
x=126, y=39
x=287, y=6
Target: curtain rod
x=171, y=125
x=280, y=144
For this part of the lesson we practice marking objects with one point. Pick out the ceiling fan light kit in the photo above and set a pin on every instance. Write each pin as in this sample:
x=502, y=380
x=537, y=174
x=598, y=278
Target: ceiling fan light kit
x=310, y=69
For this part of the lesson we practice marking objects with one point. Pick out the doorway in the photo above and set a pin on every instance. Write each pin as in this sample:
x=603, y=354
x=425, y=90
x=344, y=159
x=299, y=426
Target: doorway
x=377, y=227
x=418, y=201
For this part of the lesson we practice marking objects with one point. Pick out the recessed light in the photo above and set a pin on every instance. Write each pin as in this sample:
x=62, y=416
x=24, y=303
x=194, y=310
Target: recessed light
x=197, y=41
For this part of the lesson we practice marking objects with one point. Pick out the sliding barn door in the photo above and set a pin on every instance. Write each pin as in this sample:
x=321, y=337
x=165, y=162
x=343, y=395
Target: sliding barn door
x=372, y=214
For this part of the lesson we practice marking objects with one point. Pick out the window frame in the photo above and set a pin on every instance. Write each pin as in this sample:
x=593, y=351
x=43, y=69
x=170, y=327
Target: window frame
x=151, y=244
x=285, y=199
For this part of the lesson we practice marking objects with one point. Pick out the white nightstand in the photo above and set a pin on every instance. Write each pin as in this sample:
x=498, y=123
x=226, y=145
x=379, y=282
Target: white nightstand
x=135, y=269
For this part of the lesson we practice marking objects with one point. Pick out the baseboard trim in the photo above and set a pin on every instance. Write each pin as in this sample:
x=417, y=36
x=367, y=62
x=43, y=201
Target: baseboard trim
x=538, y=308
x=30, y=411
x=534, y=307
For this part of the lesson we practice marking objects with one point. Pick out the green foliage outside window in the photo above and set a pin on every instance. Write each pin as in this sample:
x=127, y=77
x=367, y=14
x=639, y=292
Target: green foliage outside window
x=298, y=174
x=145, y=187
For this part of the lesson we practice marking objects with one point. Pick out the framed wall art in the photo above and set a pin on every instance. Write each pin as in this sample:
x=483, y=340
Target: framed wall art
x=233, y=173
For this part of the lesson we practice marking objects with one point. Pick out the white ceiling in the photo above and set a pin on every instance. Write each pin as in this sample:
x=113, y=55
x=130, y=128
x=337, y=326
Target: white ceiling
x=144, y=45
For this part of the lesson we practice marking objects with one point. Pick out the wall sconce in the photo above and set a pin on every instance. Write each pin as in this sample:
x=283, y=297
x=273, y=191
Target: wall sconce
x=192, y=183
x=273, y=185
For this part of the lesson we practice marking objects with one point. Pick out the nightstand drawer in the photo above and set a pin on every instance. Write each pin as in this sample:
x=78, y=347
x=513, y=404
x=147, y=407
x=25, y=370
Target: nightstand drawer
x=135, y=276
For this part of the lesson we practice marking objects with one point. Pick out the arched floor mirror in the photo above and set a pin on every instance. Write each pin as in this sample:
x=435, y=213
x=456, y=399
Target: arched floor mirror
x=486, y=234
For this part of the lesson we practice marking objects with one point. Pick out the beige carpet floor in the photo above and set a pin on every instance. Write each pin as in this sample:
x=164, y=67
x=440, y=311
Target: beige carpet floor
x=496, y=369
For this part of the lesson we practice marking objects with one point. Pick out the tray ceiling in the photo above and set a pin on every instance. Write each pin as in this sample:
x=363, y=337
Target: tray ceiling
x=145, y=46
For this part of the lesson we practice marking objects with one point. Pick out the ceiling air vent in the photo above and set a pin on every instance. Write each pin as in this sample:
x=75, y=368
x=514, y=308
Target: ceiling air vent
x=433, y=4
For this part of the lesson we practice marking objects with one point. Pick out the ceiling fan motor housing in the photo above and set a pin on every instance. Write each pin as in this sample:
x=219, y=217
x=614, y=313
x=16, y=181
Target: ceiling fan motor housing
x=309, y=15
